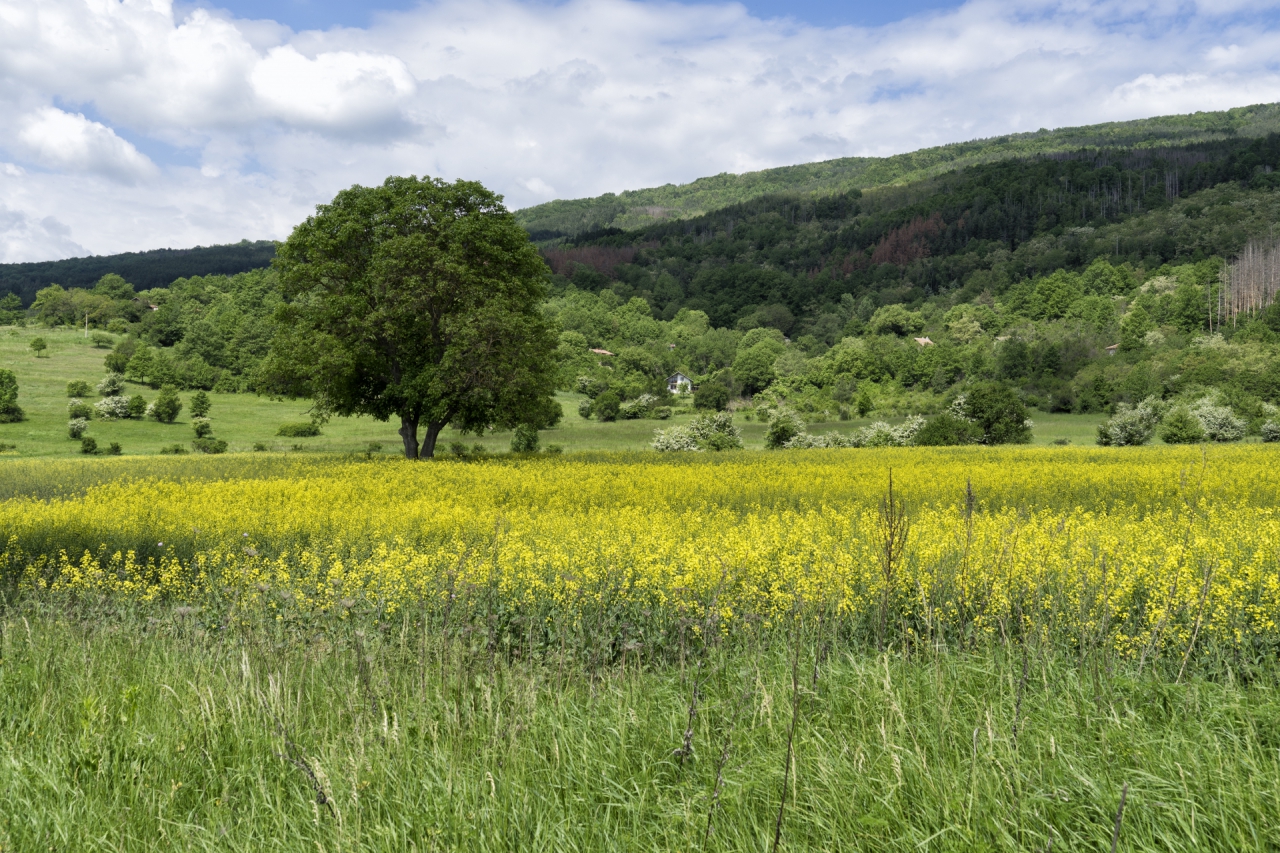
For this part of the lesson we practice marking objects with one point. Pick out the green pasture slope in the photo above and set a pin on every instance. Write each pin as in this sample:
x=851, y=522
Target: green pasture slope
x=244, y=420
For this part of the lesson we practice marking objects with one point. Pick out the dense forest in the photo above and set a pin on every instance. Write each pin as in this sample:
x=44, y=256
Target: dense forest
x=1088, y=280
x=156, y=268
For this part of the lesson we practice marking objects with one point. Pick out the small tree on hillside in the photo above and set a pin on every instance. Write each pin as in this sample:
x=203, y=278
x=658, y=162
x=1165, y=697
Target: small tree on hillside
x=711, y=396
x=38, y=346
x=200, y=404
x=10, y=411
x=417, y=299
x=167, y=406
x=998, y=412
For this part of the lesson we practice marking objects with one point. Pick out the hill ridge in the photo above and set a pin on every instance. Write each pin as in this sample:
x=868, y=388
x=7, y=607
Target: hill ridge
x=631, y=209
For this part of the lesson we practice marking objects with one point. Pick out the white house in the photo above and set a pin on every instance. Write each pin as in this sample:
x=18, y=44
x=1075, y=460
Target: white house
x=678, y=383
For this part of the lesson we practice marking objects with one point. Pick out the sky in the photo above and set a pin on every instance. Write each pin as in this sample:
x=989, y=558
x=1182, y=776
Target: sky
x=138, y=124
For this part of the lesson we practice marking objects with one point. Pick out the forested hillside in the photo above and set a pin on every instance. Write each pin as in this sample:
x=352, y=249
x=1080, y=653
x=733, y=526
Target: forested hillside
x=636, y=208
x=156, y=268
x=1086, y=280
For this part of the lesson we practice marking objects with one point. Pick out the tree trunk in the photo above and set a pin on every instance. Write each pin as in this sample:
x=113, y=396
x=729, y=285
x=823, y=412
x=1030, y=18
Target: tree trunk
x=429, y=443
x=409, y=433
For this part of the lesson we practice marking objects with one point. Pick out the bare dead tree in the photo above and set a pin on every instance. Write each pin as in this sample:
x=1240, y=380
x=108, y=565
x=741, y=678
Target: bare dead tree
x=1252, y=282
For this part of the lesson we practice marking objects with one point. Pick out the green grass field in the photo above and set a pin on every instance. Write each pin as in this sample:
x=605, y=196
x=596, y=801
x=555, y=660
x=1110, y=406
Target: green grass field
x=244, y=420
x=165, y=731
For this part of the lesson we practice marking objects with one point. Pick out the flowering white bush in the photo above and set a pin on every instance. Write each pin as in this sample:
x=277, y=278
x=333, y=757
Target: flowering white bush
x=637, y=408
x=76, y=427
x=1132, y=425
x=878, y=434
x=1219, y=423
x=112, y=408
x=707, y=432
x=1271, y=431
x=111, y=384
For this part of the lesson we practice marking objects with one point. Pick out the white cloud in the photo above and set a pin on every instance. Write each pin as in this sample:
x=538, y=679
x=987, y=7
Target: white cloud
x=71, y=143
x=23, y=238
x=540, y=100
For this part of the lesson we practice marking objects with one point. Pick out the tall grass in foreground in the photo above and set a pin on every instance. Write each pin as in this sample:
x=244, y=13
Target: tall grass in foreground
x=146, y=730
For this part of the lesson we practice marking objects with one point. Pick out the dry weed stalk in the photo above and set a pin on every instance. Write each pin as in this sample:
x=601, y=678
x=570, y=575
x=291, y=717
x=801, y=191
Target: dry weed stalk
x=297, y=758
x=791, y=736
x=1115, y=833
x=894, y=528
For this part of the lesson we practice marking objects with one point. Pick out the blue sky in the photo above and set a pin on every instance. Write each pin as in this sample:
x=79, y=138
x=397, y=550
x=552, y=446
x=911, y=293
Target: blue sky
x=136, y=124
x=322, y=14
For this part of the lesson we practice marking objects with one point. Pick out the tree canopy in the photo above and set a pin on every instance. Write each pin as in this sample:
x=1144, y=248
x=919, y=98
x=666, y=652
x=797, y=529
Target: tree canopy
x=417, y=299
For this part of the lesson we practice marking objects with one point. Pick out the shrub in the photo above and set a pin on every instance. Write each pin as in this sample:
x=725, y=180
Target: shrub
x=783, y=426
x=202, y=426
x=458, y=449
x=998, y=412
x=77, y=408
x=660, y=413
x=705, y=432
x=1270, y=431
x=259, y=446
x=947, y=430
x=606, y=406
x=118, y=326
x=167, y=406
x=112, y=408
x=10, y=411
x=1180, y=427
x=173, y=449
x=114, y=449
x=200, y=404
x=101, y=340
x=584, y=409
x=111, y=384
x=209, y=445
x=638, y=408
x=711, y=396
x=524, y=439
x=864, y=404
x=878, y=434
x=1218, y=422
x=299, y=430
x=137, y=407
x=76, y=427
x=7, y=446
x=373, y=447
x=1131, y=425
x=553, y=450
x=88, y=445
x=78, y=388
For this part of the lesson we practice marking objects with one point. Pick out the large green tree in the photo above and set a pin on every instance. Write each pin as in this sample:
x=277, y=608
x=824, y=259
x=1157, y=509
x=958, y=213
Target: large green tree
x=417, y=299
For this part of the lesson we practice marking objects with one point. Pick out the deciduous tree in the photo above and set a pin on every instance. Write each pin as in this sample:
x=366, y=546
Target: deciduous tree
x=417, y=299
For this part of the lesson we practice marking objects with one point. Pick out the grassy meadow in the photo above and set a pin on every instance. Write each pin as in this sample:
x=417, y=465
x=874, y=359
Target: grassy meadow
x=1007, y=649
x=246, y=420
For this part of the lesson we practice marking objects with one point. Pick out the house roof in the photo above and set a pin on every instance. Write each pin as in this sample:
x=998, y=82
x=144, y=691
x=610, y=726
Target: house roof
x=924, y=342
x=677, y=376
x=601, y=352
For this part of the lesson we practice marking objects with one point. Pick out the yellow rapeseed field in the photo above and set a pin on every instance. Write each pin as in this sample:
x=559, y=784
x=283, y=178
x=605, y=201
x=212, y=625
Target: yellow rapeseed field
x=1140, y=548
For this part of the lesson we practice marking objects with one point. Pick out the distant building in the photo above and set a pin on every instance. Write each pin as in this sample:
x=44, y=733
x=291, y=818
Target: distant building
x=924, y=342
x=601, y=352
x=678, y=383
x=1111, y=350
